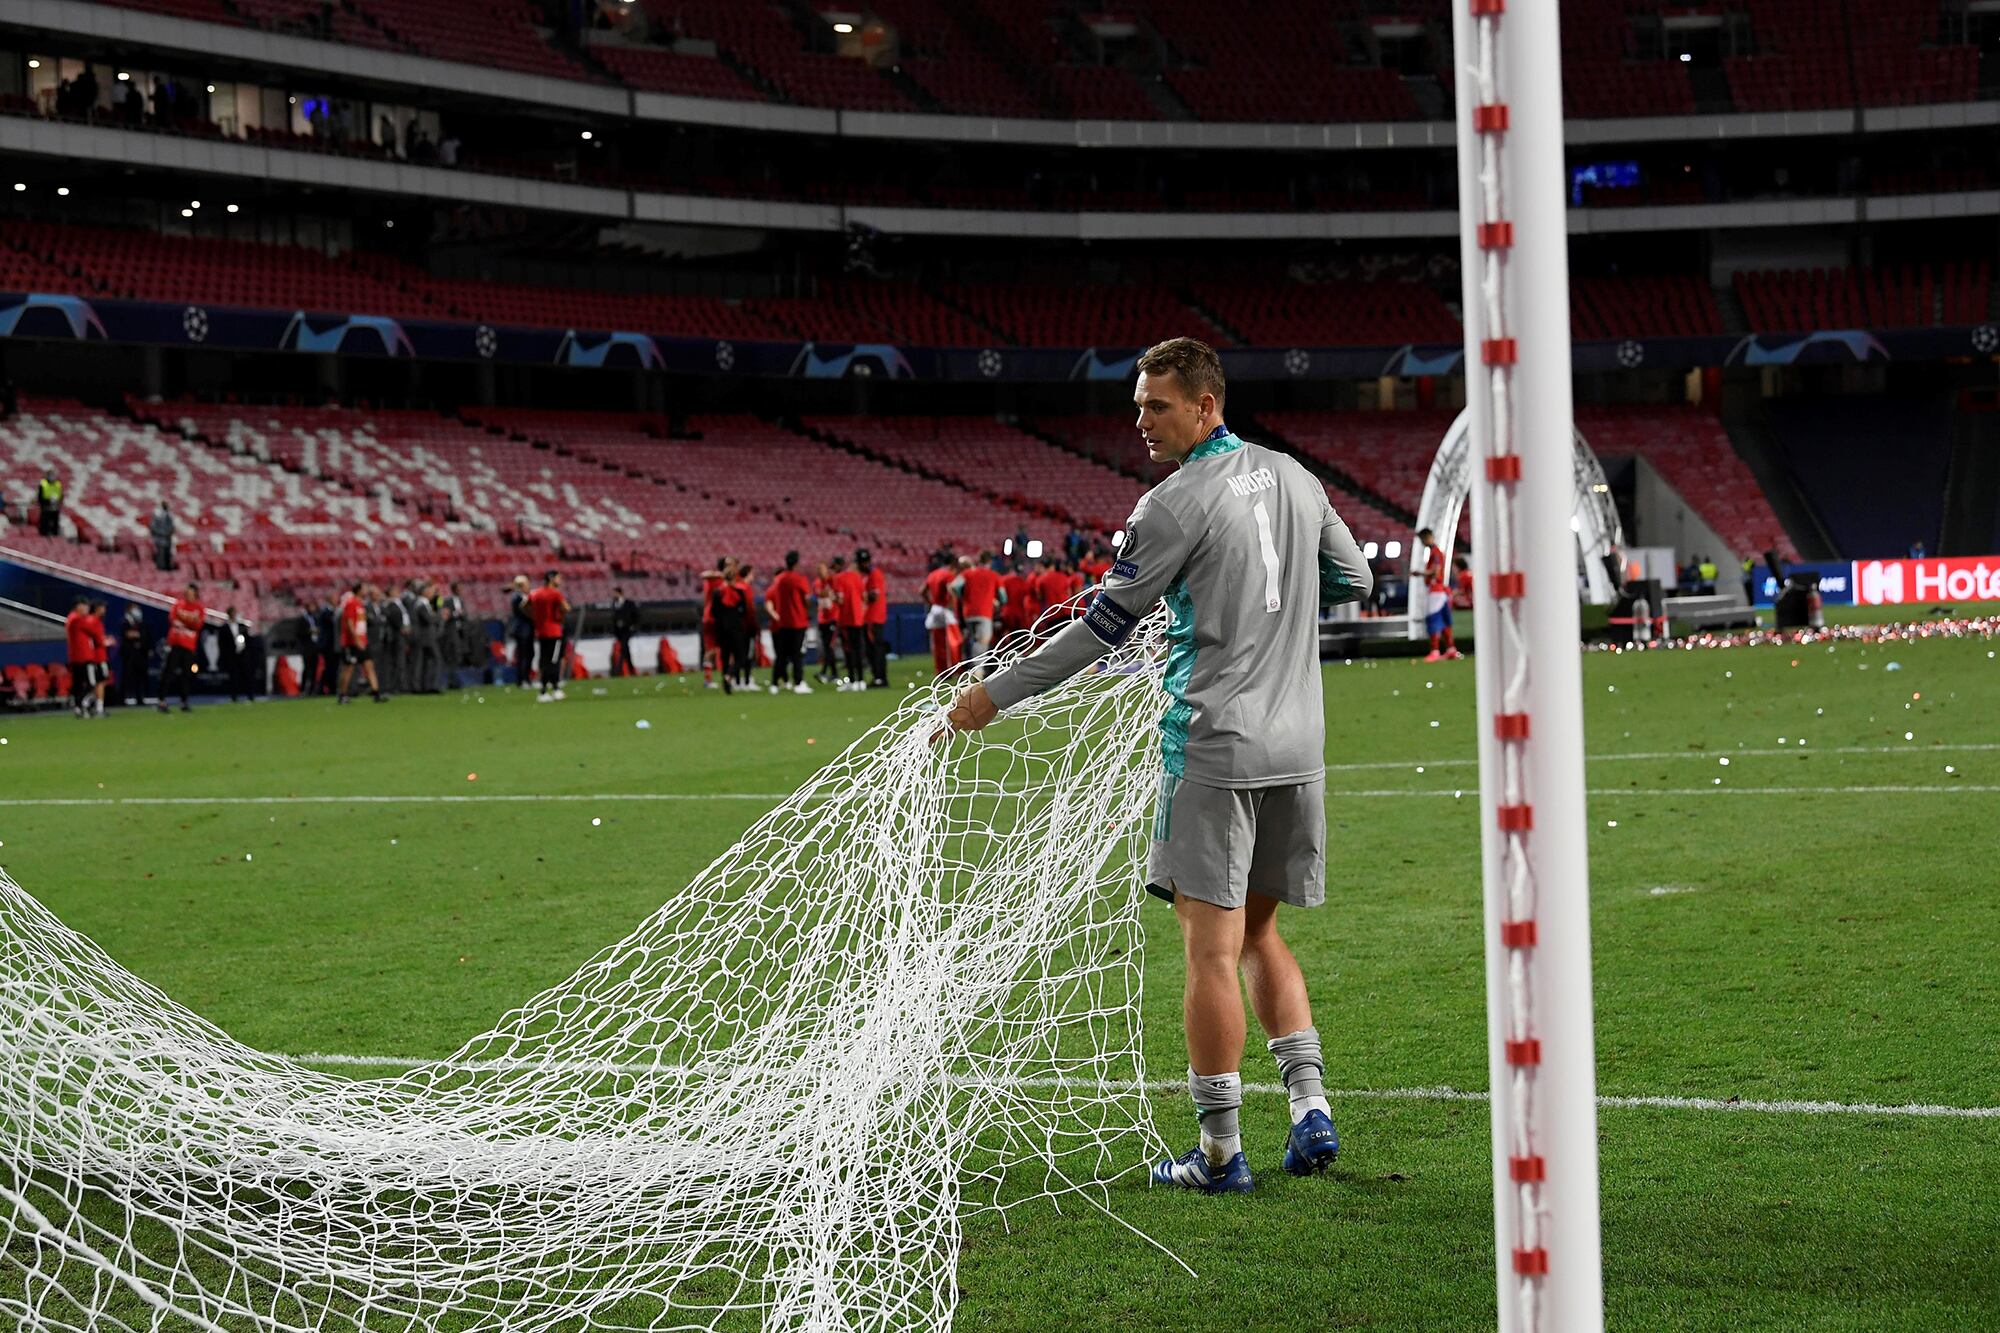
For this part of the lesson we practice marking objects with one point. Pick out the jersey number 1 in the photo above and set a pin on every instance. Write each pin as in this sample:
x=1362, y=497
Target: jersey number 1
x=1269, y=548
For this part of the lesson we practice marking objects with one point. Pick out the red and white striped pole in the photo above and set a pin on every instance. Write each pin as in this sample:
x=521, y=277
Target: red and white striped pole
x=1540, y=1047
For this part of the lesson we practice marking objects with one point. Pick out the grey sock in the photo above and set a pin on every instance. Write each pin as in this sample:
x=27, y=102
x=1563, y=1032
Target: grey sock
x=1218, y=1103
x=1303, y=1069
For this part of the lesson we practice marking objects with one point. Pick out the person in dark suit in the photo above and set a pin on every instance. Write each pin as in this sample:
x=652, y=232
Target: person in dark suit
x=132, y=656
x=426, y=665
x=323, y=636
x=522, y=630
x=234, y=651
x=624, y=621
x=308, y=649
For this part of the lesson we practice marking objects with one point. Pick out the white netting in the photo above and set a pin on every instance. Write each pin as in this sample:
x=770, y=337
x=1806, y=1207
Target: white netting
x=910, y=990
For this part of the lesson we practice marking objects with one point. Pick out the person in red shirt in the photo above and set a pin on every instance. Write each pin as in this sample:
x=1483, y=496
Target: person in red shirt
x=939, y=617
x=711, y=646
x=786, y=601
x=1437, y=599
x=1461, y=588
x=352, y=620
x=1094, y=566
x=850, y=612
x=548, y=611
x=100, y=659
x=725, y=611
x=184, y=624
x=76, y=630
x=875, y=618
x=1018, y=608
x=829, y=626
x=979, y=596
x=1052, y=589
x=753, y=628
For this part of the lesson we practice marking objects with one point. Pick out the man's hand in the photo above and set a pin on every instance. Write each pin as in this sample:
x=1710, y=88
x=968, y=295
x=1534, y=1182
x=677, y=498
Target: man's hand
x=971, y=711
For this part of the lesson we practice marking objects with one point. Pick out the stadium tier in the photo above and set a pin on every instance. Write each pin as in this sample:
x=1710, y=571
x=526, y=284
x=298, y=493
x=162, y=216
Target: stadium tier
x=1303, y=314
x=1282, y=60
x=1679, y=305
x=1390, y=454
x=991, y=458
x=1251, y=309
x=1689, y=448
x=1907, y=296
x=281, y=501
x=827, y=495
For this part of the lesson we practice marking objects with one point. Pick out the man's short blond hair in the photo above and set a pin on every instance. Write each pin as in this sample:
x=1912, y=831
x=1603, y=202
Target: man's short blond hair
x=1189, y=360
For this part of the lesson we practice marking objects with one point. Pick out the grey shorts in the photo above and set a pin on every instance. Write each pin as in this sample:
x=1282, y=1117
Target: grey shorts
x=1219, y=844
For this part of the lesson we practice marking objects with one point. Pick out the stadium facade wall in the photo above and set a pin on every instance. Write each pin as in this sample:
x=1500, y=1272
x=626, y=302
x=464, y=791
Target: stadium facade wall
x=72, y=18
x=110, y=144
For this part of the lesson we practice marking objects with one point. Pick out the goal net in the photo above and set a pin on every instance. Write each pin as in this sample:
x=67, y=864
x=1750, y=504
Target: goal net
x=910, y=991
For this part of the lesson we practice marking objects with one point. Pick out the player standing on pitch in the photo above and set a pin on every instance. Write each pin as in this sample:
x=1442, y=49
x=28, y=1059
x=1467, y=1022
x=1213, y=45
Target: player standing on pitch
x=1437, y=599
x=1244, y=547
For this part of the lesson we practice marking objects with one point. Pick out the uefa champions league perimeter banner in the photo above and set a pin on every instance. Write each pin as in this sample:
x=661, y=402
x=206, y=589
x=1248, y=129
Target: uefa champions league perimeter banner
x=67, y=317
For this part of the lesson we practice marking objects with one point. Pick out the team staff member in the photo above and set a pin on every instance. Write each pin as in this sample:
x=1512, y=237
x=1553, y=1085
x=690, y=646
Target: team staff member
x=726, y=615
x=76, y=633
x=352, y=618
x=548, y=609
x=1243, y=545
x=979, y=594
x=132, y=656
x=786, y=600
x=624, y=620
x=711, y=645
x=939, y=617
x=184, y=624
x=875, y=626
x=100, y=659
x=850, y=611
x=1051, y=586
x=829, y=626
x=523, y=630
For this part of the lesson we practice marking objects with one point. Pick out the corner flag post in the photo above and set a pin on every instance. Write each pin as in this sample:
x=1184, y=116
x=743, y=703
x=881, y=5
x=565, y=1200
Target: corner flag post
x=1513, y=237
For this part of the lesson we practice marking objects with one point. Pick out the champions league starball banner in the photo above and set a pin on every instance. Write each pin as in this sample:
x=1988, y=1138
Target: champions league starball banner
x=66, y=317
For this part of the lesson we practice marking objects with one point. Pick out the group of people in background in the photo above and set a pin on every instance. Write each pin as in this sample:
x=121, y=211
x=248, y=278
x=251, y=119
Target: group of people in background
x=969, y=601
x=413, y=641
x=90, y=654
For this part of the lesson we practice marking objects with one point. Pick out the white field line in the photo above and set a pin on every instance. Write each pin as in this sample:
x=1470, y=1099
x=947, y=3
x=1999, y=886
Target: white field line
x=1431, y=1094
x=1381, y=793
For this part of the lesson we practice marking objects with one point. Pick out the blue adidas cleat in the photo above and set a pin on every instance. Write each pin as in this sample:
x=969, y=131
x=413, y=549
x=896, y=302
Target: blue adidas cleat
x=1311, y=1145
x=1191, y=1171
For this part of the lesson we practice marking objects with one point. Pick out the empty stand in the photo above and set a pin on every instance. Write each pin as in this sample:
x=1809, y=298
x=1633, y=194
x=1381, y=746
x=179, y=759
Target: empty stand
x=1691, y=451
x=148, y=266
x=1675, y=306
x=1301, y=314
x=1045, y=314
x=660, y=70
x=1903, y=296
x=500, y=33
x=990, y=457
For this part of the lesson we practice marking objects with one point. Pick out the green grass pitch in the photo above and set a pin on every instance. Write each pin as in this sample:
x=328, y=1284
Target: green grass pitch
x=1819, y=926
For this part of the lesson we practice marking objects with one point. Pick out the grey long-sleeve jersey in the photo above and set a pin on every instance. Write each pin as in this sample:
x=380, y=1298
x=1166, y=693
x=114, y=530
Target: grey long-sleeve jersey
x=1245, y=548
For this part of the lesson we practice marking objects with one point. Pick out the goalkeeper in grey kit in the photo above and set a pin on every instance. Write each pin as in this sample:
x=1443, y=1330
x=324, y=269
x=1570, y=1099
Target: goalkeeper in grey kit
x=1244, y=547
